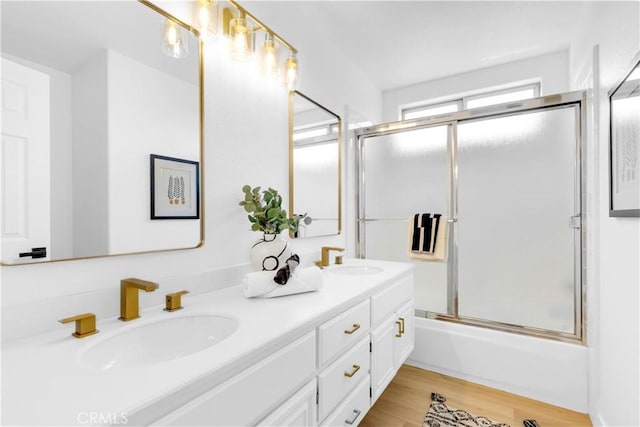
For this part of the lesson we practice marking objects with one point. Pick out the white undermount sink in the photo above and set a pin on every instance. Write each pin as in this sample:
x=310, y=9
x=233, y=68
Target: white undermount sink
x=356, y=270
x=159, y=341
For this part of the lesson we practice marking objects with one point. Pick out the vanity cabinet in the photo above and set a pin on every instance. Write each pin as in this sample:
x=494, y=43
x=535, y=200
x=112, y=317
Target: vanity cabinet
x=329, y=377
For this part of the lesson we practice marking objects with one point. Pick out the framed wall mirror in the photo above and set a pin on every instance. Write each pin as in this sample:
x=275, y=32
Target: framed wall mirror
x=624, y=145
x=90, y=90
x=315, y=166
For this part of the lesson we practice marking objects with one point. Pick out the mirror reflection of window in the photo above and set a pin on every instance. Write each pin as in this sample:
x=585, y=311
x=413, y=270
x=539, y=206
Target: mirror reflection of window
x=315, y=172
x=625, y=146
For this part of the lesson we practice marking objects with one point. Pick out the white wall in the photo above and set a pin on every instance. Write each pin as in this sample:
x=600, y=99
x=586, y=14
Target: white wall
x=552, y=70
x=614, y=323
x=150, y=112
x=246, y=142
x=90, y=158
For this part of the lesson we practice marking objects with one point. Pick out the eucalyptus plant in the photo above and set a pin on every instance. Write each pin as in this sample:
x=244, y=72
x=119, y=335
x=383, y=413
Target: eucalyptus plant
x=265, y=211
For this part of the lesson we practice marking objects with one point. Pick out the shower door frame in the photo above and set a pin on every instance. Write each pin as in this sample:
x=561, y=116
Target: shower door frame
x=577, y=100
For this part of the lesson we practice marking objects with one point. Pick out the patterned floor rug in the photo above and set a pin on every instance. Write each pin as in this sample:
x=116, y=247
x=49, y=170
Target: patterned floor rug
x=441, y=415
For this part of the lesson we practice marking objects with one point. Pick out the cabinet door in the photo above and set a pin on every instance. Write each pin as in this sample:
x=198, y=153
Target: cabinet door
x=404, y=343
x=299, y=410
x=383, y=356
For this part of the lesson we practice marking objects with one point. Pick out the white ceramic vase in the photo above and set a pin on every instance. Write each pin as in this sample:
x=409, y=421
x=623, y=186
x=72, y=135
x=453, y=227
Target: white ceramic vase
x=269, y=253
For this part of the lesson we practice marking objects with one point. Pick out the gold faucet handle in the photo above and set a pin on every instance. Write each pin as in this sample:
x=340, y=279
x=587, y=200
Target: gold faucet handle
x=174, y=301
x=85, y=324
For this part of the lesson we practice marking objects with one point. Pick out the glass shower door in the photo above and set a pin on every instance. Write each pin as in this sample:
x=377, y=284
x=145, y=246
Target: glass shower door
x=405, y=173
x=517, y=222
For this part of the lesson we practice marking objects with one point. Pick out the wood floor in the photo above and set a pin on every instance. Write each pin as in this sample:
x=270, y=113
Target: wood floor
x=406, y=401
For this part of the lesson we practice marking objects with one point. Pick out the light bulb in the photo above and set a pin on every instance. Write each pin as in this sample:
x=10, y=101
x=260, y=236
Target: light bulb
x=270, y=57
x=291, y=72
x=174, y=44
x=241, y=41
x=206, y=17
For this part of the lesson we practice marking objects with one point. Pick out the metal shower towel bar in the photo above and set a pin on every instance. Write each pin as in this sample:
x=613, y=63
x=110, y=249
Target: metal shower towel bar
x=396, y=219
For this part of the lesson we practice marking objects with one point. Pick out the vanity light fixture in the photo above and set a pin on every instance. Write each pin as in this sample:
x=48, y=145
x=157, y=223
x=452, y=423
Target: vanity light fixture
x=270, y=57
x=240, y=26
x=206, y=17
x=174, y=43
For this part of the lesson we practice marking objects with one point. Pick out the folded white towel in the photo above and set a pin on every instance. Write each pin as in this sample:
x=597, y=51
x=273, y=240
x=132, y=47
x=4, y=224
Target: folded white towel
x=261, y=284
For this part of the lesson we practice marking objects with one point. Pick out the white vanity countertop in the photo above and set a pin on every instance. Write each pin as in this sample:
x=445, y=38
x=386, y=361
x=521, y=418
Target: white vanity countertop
x=44, y=382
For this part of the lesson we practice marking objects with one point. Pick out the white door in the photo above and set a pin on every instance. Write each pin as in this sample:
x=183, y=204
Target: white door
x=24, y=162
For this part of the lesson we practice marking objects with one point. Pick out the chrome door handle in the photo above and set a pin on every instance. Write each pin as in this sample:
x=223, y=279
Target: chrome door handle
x=354, y=417
x=575, y=222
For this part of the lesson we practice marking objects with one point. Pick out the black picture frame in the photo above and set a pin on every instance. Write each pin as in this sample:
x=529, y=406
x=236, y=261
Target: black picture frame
x=175, y=188
x=624, y=144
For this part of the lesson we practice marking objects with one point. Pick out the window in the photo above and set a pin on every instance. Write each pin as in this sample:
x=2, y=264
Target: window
x=315, y=134
x=431, y=110
x=481, y=100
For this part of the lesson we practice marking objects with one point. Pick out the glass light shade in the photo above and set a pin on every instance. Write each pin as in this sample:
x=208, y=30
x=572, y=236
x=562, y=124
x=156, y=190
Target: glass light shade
x=206, y=17
x=291, y=72
x=270, y=57
x=174, y=43
x=241, y=39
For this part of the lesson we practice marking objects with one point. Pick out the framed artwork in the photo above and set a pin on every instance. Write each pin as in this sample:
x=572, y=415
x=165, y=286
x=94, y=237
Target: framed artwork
x=175, y=188
x=624, y=145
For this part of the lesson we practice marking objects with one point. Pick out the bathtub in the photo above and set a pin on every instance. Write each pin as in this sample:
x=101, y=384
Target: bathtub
x=550, y=371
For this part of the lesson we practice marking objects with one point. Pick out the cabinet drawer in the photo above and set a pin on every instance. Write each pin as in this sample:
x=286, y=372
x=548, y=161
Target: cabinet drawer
x=387, y=301
x=245, y=398
x=299, y=410
x=353, y=409
x=335, y=382
x=343, y=331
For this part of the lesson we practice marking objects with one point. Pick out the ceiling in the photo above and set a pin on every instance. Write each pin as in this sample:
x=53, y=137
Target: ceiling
x=399, y=43
x=66, y=35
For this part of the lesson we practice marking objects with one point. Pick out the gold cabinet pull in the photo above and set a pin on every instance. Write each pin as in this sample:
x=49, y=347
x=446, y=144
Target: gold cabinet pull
x=402, y=326
x=356, y=368
x=85, y=324
x=356, y=326
x=400, y=332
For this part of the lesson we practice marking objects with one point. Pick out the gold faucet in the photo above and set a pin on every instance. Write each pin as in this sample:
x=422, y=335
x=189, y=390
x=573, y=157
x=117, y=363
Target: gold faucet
x=129, y=308
x=174, y=301
x=324, y=261
x=85, y=324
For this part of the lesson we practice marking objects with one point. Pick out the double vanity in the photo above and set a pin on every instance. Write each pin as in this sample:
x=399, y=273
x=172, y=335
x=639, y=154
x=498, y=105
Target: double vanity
x=320, y=358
